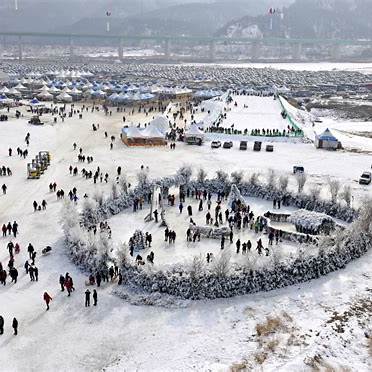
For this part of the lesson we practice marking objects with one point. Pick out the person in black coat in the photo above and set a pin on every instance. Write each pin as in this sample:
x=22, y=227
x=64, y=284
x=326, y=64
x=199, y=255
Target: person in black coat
x=87, y=298
x=95, y=297
x=189, y=210
x=1, y=325
x=62, y=282
x=15, y=326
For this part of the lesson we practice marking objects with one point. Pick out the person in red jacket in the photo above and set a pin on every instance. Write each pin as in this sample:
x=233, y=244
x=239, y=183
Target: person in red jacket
x=47, y=299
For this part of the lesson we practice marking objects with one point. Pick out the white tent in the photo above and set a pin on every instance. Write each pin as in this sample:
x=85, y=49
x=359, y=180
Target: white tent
x=194, y=136
x=194, y=131
x=161, y=123
x=64, y=97
x=133, y=132
x=36, y=103
x=54, y=90
x=14, y=92
x=152, y=132
x=45, y=96
x=4, y=90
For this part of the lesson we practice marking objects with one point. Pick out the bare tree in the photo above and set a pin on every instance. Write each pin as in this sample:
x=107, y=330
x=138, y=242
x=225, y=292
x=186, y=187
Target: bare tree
x=142, y=178
x=253, y=179
x=314, y=192
x=221, y=266
x=98, y=197
x=301, y=180
x=222, y=175
x=186, y=172
x=283, y=182
x=122, y=254
x=271, y=178
x=346, y=195
x=114, y=191
x=237, y=177
x=197, y=267
x=202, y=175
x=334, y=188
x=123, y=184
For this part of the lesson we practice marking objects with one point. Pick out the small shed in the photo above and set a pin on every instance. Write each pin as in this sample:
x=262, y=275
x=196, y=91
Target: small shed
x=327, y=141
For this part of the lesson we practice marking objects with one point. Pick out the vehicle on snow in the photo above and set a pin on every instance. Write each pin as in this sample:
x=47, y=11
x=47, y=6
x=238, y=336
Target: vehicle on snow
x=365, y=178
x=298, y=169
x=243, y=145
x=215, y=144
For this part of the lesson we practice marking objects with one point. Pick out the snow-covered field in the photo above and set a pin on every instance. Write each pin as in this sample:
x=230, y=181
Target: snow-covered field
x=182, y=253
x=205, y=335
x=254, y=112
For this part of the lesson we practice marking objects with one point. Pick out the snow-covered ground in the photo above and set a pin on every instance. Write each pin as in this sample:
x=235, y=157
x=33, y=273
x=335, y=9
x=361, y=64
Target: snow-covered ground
x=345, y=131
x=254, y=112
x=182, y=253
x=203, y=335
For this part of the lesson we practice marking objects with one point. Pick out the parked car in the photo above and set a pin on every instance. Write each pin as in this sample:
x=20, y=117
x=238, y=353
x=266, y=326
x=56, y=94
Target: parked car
x=365, y=178
x=298, y=169
x=269, y=148
x=243, y=145
x=257, y=146
x=215, y=144
x=227, y=145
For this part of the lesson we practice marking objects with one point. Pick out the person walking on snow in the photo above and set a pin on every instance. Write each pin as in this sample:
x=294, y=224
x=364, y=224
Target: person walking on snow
x=15, y=326
x=47, y=299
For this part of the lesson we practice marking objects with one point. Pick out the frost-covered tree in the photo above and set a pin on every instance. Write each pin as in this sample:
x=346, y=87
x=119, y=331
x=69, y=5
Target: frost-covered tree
x=138, y=240
x=98, y=197
x=334, y=188
x=237, y=177
x=301, y=180
x=114, y=191
x=222, y=176
x=221, y=265
x=254, y=178
x=69, y=217
x=122, y=254
x=186, y=172
x=142, y=178
x=89, y=212
x=271, y=179
x=346, y=195
x=364, y=223
x=283, y=182
x=201, y=176
x=314, y=192
x=123, y=184
x=197, y=267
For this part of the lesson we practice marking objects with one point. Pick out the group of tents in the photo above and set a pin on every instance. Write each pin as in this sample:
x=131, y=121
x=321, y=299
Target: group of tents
x=155, y=134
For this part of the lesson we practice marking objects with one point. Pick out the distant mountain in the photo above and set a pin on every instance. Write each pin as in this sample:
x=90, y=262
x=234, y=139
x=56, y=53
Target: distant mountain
x=344, y=19
x=52, y=15
x=188, y=19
